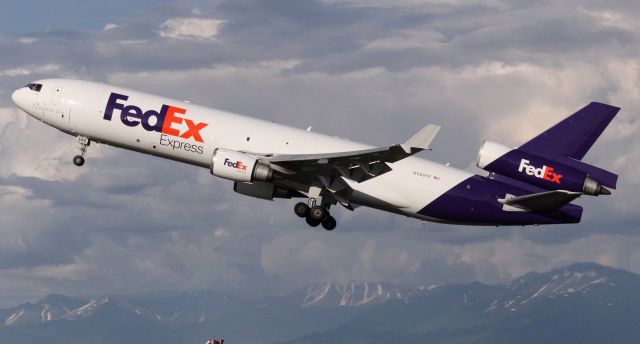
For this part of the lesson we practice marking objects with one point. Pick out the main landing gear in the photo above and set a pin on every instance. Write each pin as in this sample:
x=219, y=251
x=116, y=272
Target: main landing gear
x=315, y=215
x=83, y=143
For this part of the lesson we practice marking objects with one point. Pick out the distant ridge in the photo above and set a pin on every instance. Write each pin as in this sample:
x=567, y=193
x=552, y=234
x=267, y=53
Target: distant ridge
x=583, y=302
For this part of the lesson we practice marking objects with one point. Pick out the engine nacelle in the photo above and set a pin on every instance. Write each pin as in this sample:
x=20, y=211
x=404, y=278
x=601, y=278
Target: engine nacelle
x=536, y=170
x=238, y=166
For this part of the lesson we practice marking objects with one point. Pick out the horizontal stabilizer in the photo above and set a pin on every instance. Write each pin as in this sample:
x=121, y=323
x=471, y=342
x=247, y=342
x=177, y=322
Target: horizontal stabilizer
x=541, y=202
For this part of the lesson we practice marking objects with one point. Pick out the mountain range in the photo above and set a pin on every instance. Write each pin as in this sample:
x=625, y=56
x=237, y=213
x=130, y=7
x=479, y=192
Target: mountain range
x=581, y=303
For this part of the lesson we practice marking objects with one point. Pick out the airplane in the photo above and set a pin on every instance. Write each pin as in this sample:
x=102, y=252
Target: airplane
x=533, y=184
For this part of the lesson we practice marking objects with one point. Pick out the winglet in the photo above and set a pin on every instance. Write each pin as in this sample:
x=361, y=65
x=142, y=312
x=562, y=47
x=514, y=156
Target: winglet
x=422, y=139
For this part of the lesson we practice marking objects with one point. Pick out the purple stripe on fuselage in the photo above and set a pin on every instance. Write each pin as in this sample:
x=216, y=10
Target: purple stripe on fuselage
x=514, y=182
x=475, y=201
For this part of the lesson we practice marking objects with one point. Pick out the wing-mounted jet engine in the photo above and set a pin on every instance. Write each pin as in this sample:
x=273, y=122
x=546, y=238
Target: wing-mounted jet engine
x=239, y=166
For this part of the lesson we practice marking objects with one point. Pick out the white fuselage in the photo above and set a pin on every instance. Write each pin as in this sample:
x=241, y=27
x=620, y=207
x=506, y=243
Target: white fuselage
x=78, y=108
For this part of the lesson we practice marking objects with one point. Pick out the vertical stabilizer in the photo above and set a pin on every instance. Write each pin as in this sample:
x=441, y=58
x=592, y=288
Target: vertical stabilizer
x=574, y=136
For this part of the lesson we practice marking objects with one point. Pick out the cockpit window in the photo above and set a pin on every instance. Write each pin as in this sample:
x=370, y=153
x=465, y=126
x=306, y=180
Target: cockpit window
x=35, y=87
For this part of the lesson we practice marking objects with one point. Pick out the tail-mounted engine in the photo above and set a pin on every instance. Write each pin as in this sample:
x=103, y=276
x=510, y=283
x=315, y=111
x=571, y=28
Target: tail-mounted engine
x=238, y=166
x=536, y=170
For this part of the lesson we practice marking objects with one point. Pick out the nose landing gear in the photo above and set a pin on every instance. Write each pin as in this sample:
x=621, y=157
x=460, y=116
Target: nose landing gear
x=78, y=160
x=315, y=215
x=83, y=143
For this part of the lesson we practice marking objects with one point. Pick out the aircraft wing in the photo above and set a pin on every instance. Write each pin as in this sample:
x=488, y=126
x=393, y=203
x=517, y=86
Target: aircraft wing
x=543, y=201
x=358, y=165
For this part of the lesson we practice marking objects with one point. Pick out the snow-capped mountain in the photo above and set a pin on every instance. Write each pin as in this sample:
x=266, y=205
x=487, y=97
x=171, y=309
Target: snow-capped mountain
x=581, y=303
x=185, y=307
x=565, y=302
x=86, y=310
x=193, y=306
x=51, y=307
x=350, y=294
x=593, y=282
x=355, y=294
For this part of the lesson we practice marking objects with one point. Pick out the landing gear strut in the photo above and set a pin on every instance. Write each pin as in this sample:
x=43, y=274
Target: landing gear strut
x=315, y=215
x=83, y=143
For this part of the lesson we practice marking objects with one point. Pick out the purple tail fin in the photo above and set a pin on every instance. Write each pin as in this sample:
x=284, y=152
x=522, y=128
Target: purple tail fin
x=568, y=141
x=574, y=136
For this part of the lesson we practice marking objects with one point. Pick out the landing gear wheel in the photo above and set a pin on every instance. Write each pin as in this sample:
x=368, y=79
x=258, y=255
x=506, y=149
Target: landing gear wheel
x=311, y=222
x=301, y=209
x=83, y=142
x=329, y=223
x=78, y=160
x=318, y=213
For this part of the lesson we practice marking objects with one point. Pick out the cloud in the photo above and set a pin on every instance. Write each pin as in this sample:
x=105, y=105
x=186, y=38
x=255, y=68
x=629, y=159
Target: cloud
x=110, y=26
x=22, y=142
x=26, y=71
x=611, y=18
x=368, y=71
x=28, y=40
x=190, y=28
x=402, y=260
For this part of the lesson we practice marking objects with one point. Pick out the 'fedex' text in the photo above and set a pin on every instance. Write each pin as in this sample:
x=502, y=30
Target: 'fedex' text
x=168, y=120
x=237, y=165
x=545, y=172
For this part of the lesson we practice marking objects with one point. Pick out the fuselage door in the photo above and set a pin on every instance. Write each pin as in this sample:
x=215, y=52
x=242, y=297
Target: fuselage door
x=57, y=111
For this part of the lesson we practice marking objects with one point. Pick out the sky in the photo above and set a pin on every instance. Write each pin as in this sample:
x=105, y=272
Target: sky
x=372, y=71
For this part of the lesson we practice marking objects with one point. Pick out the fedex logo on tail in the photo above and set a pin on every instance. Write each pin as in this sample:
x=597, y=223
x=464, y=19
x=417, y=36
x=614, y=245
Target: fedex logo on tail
x=170, y=120
x=238, y=165
x=545, y=172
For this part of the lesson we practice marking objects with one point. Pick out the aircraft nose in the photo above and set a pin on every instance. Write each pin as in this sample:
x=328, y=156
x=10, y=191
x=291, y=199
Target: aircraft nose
x=19, y=98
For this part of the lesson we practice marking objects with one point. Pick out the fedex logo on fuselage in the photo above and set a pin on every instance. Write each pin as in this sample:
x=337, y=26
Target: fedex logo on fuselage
x=168, y=120
x=545, y=172
x=237, y=165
